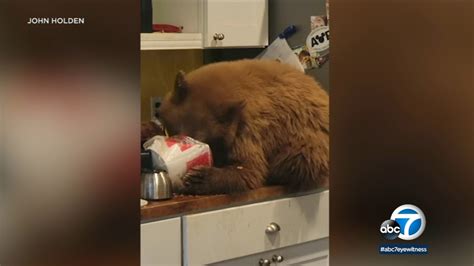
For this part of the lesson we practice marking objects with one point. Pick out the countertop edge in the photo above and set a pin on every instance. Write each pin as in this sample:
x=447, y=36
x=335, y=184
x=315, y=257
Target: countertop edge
x=186, y=205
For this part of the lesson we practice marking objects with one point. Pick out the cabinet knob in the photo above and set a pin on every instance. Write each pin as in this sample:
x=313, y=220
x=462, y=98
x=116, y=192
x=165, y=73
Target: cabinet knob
x=272, y=228
x=264, y=262
x=218, y=36
x=277, y=258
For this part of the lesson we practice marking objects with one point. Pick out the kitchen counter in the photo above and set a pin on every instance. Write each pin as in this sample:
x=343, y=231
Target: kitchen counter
x=185, y=204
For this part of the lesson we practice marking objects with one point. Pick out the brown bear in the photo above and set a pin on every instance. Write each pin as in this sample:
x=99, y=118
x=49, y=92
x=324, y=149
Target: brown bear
x=266, y=123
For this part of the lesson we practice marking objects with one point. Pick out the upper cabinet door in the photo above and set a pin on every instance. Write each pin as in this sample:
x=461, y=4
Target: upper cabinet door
x=235, y=23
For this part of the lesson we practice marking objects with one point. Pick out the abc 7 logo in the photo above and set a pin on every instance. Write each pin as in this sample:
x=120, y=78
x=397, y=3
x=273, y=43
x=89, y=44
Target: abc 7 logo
x=407, y=223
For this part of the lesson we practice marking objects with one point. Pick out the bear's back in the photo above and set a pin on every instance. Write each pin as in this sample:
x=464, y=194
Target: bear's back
x=262, y=83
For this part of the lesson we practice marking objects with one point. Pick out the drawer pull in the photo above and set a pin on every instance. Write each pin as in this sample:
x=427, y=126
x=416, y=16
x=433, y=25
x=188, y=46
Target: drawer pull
x=264, y=262
x=218, y=36
x=277, y=258
x=272, y=228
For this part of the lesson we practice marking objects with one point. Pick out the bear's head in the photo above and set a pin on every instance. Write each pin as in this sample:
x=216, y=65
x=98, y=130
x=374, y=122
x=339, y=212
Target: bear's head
x=201, y=110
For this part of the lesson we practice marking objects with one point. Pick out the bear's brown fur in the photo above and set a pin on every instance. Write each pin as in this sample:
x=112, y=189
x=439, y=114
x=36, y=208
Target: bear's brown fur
x=266, y=123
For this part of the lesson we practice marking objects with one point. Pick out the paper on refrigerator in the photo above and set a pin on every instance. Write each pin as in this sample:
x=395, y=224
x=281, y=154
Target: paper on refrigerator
x=280, y=51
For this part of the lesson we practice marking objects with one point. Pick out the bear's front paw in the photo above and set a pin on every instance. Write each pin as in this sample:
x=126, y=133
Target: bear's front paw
x=200, y=181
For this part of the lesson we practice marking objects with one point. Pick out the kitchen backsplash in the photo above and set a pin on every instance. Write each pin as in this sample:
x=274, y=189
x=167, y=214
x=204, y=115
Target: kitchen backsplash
x=158, y=72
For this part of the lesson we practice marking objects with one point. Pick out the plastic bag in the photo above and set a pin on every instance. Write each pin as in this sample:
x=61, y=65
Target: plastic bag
x=177, y=155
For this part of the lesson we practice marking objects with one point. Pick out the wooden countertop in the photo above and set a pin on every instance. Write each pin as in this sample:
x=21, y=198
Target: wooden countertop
x=181, y=204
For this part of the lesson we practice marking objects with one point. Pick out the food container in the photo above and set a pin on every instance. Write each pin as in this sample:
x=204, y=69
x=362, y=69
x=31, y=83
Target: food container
x=177, y=155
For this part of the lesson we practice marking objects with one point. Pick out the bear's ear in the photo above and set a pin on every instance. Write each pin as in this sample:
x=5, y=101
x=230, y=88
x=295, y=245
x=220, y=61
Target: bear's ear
x=180, y=88
x=231, y=112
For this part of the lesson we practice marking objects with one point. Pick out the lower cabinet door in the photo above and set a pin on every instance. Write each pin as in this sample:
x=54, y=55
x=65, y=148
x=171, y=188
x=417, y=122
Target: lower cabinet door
x=314, y=253
x=160, y=243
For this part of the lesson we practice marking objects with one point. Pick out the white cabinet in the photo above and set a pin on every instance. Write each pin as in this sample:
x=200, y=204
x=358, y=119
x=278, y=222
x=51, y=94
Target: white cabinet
x=209, y=24
x=241, y=231
x=313, y=253
x=230, y=23
x=242, y=236
x=160, y=242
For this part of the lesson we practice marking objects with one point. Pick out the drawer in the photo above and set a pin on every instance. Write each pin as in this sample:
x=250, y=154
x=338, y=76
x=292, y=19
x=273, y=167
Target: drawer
x=313, y=253
x=161, y=242
x=240, y=231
